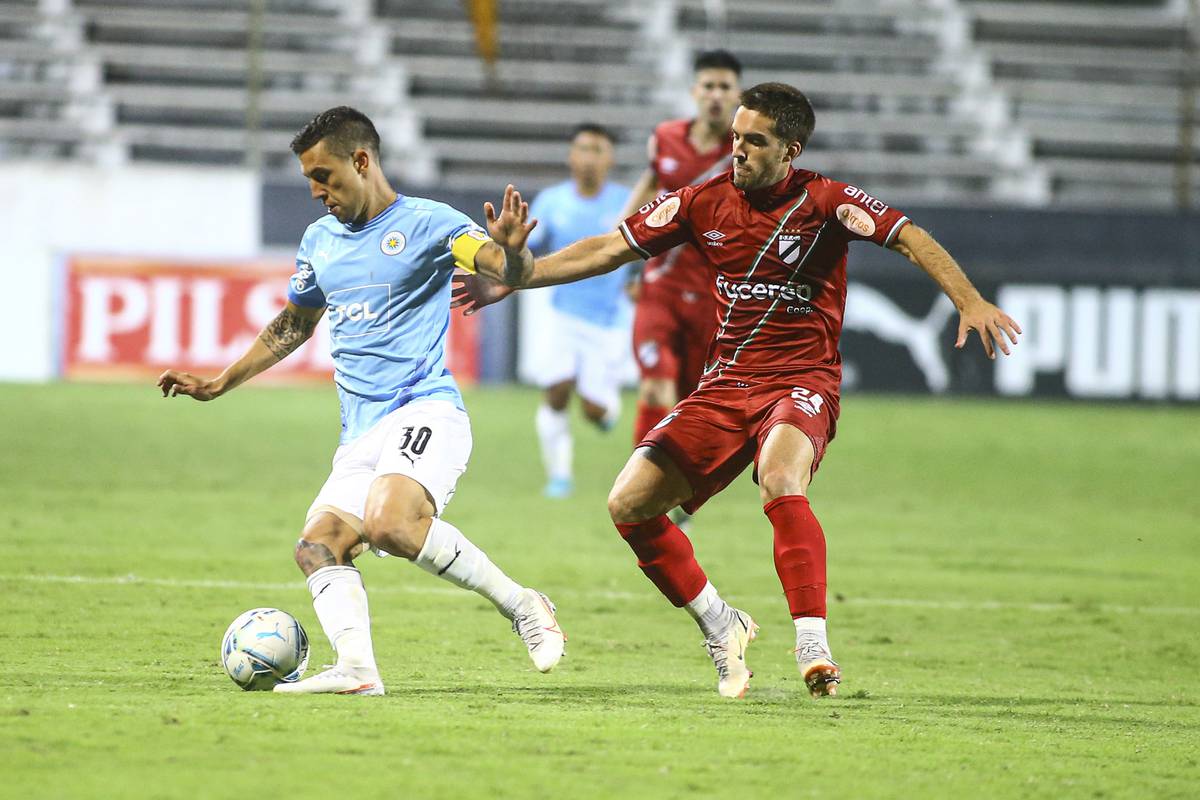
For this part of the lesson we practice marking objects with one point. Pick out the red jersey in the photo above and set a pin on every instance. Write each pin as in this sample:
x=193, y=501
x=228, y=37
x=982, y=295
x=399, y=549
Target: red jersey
x=676, y=164
x=779, y=255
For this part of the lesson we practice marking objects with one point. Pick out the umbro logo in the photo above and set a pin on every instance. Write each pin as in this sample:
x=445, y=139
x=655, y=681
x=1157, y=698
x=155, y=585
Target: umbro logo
x=713, y=235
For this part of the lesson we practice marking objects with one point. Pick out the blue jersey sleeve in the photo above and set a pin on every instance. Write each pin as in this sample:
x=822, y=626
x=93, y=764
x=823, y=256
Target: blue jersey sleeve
x=302, y=288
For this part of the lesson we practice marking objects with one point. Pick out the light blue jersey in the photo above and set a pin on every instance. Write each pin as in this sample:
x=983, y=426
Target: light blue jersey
x=564, y=217
x=386, y=288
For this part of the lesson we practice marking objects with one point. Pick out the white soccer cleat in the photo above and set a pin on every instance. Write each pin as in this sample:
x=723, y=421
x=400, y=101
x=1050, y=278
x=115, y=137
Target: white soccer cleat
x=336, y=680
x=538, y=628
x=820, y=672
x=728, y=652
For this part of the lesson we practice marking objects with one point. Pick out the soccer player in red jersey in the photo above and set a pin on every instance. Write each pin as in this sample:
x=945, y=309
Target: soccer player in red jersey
x=676, y=314
x=776, y=238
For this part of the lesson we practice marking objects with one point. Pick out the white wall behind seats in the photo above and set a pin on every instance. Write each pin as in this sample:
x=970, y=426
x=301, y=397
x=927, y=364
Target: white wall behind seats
x=50, y=211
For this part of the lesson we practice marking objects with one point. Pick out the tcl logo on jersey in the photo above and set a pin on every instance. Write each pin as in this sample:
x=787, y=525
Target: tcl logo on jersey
x=744, y=290
x=359, y=311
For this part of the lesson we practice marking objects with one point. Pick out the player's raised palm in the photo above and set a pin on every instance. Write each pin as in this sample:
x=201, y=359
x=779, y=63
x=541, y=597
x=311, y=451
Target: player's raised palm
x=511, y=228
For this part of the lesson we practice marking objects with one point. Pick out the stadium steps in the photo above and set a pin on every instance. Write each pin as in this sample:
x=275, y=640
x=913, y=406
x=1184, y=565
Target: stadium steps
x=1097, y=88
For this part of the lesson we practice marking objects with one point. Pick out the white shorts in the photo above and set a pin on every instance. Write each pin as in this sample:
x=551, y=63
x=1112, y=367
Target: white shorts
x=427, y=440
x=591, y=355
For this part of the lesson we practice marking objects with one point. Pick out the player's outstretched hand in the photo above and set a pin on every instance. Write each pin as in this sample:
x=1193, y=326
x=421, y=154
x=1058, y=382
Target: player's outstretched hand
x=509, y=229
x=174, y=383
x=473, y=292
x=991, y=323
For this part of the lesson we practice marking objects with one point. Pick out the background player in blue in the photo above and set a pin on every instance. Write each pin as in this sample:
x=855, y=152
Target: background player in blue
x=380, y=264
x=588, y=321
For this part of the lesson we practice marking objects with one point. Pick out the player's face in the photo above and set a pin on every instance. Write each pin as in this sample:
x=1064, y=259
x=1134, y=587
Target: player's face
x=760, y=157
x=339, y=182
x=590, y=157
x=716, y=93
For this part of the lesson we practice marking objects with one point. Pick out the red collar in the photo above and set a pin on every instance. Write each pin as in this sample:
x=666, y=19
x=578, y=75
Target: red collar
x=790, y=186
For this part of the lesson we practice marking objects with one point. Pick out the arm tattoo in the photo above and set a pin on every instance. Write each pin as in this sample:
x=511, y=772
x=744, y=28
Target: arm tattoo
x=518, y=269
x=287, y=332
x=311, y=556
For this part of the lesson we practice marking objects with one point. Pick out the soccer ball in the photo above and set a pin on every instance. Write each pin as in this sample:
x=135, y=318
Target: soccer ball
x=263, y=647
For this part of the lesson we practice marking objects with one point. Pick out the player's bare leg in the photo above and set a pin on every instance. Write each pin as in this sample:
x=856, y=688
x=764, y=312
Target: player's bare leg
x=554, y=436
x=599, y=415
x=784, y=471
x=330, y=540
x=656, y=398
x=648, y=486
x=400, y=520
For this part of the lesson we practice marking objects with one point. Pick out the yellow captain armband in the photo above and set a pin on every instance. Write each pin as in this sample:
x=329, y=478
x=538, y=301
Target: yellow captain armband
x=466, y=246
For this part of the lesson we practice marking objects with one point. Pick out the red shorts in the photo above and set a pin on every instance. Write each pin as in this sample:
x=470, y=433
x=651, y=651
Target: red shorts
x=718, y=430
x=672, y=331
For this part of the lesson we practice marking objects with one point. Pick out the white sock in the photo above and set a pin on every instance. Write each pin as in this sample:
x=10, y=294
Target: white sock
x=554, y=433
x=711, y=613
x=452, y=557
x=340, y=601
x=812, y=626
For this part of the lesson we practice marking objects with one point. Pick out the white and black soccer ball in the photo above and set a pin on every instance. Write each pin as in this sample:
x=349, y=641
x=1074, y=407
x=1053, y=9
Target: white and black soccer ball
x=263, y=647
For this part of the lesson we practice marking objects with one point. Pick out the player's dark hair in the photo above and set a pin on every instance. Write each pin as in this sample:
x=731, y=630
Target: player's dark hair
x=344, y=130
x=596, y=128
x=787, y=106
x=717, y=59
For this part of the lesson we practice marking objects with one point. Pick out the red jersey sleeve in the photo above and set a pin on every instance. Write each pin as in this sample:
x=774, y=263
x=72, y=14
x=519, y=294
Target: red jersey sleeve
x=858, y=216
x=660, y=224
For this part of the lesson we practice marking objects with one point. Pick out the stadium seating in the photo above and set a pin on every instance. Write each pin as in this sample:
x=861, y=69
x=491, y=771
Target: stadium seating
x=561, y=63
x=1098, y=88
x=953, y=101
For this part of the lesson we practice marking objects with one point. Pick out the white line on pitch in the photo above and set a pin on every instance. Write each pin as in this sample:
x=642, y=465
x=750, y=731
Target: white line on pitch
x=598, y=594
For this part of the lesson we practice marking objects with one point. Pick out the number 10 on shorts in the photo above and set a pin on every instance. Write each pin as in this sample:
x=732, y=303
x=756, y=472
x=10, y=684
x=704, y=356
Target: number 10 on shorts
x=807, y=401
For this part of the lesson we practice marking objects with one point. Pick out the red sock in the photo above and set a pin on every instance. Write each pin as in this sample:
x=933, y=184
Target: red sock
x=799, y=554
x=665, y=554
x=647, y=418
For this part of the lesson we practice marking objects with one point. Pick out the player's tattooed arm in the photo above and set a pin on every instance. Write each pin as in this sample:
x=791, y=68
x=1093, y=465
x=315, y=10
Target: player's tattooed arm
x=512, y=261
x=289, y=330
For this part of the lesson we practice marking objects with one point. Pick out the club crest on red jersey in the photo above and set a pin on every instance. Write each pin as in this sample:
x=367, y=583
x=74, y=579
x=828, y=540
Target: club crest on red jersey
x=790, y=247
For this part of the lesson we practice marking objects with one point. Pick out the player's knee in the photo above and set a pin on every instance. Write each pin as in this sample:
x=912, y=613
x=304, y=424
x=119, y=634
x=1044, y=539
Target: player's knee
x=625, y=506
x=324, y=543
x=781, y=481
x=403, y=537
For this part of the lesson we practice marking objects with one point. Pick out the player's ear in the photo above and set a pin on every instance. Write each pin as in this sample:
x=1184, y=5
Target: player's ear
x=793, y=151
x=362, y=160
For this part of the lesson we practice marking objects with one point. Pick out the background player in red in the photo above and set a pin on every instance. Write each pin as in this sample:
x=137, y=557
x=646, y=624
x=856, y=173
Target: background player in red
x=770, y=395
x=676, y=314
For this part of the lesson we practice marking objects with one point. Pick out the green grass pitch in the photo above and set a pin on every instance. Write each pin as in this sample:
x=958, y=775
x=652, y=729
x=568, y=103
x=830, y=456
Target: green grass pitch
x=1014, y=602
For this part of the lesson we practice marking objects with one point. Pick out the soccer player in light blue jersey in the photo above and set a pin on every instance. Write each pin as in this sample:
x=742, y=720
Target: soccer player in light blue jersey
x=590, y=336
x=380, y=264
x=586, y=323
